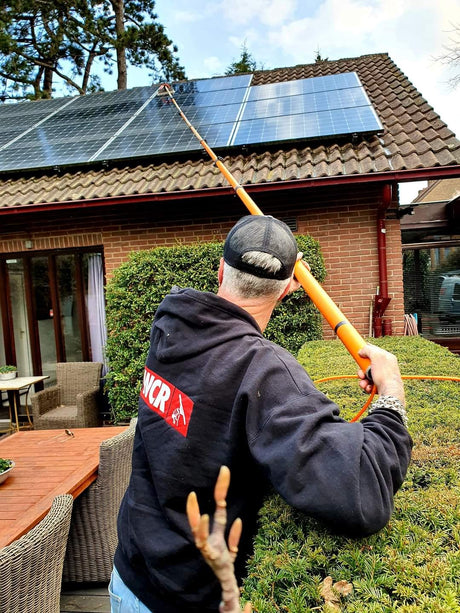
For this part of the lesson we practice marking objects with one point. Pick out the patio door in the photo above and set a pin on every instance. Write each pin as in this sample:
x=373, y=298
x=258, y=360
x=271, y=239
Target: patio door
x=20, y=323
x=49, y=312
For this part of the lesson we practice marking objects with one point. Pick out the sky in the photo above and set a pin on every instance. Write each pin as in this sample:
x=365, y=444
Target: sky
x=210, y=35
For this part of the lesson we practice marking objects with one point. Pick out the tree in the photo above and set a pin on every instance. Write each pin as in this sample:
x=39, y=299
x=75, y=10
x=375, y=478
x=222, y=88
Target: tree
x=140, y=42
x=246, y=63
x=452, y=55
x=44, y=39
x=319, y=57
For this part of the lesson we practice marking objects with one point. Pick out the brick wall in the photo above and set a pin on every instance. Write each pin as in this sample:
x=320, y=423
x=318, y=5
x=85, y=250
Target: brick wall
x=348, y=239
x=119, y=240
x=346, y=230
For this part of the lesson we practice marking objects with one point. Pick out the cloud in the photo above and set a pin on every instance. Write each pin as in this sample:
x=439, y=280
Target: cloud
x=268, y=12
x=346, y=28
x=357, y=17
x=247, y=37
x=212, y=66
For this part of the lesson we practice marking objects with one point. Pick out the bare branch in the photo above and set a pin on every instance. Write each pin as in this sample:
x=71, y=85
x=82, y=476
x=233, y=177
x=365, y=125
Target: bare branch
x=213, y=546
x=451, y=56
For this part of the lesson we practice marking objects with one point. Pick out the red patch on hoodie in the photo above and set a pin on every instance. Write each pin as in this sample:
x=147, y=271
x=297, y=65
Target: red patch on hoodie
x=167, y=401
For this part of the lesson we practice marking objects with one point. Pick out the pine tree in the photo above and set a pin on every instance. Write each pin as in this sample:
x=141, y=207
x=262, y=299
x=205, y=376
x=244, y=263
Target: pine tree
x=41, y=40
x=246, y=63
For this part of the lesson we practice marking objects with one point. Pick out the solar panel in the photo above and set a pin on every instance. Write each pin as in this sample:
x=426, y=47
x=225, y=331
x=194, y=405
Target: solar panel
x=75, y=131
x=122, y=124
x=334, y=105
x=305, y=86
x=137, y=123
x=159, y=129
x=212, y=106
x=19, y=119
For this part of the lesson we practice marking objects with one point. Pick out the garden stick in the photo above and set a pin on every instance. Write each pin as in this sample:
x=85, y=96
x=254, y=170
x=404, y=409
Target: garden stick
x=213, y=546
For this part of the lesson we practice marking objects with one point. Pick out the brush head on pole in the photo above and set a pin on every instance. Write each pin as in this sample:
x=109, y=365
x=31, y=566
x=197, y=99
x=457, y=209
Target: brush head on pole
x=165, y=90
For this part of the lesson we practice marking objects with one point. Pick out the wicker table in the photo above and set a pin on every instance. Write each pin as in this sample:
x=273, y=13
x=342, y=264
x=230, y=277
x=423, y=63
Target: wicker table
x=14, y=386
x=48, y=463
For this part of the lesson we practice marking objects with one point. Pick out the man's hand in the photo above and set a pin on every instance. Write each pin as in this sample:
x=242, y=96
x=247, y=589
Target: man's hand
x=385, y=373
x=295, y=285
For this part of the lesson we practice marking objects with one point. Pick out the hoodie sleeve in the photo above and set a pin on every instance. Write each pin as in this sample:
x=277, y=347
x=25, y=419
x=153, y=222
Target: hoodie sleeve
x=343, y=473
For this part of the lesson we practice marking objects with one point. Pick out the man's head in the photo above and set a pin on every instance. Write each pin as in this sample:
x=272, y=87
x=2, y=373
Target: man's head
x=266, y=235
x=260, y=253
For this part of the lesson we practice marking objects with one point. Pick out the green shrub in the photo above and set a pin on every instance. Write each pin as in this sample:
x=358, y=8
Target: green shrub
x=412, y=565
x=139, y=285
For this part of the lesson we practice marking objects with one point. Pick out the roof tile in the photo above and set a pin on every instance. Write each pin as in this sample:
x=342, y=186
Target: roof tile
x=442, y=157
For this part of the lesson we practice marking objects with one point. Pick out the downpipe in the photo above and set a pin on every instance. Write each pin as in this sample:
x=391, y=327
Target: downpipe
x=382, y=327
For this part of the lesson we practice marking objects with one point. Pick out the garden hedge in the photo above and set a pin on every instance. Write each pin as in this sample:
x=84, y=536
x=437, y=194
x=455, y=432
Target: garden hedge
x=412, y=565
x=138, y=286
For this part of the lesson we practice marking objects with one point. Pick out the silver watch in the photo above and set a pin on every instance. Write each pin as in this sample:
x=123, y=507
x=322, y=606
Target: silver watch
x=392, y=404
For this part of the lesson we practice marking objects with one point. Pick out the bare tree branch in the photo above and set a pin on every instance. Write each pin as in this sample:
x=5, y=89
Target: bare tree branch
x=213, y=546
x=451, y=56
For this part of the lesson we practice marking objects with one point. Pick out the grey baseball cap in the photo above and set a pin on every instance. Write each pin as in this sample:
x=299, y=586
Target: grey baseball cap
x=261, y=233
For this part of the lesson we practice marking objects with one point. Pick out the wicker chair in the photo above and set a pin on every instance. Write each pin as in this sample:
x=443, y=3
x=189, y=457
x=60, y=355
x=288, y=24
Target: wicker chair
x=31, y=567
x=73, y=401
x=93, y=530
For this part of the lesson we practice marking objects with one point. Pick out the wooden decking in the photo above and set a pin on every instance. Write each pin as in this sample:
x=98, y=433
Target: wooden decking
x=85, y=598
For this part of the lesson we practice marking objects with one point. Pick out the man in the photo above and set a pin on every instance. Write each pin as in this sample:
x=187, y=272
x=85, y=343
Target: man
x=215, y=393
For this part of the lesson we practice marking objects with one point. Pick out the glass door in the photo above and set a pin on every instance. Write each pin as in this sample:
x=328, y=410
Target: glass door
x=45, y=308
x=69, y=308
x=50, y=307
x=432, y=290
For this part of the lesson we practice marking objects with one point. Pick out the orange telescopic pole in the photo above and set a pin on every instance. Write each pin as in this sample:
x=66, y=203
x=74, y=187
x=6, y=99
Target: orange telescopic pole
x=349, y=336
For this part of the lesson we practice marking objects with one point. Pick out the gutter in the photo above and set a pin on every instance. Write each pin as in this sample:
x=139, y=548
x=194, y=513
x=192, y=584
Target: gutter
x=400, y=176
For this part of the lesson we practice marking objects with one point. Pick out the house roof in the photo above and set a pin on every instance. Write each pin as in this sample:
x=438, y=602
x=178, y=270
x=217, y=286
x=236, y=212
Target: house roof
x=415, y=140
x=439, y=191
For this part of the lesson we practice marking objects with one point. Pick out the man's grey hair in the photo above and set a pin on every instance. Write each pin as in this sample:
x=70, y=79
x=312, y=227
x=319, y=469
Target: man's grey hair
x=244, y=285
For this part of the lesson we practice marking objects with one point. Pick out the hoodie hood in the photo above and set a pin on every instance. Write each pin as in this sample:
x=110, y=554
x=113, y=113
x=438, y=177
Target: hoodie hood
x=189, y=322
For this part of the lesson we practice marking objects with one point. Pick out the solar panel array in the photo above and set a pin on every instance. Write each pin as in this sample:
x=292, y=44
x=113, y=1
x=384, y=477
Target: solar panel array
x=328, y=106
x=138, y=123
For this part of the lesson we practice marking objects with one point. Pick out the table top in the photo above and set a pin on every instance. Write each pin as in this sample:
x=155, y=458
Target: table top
x=48, y=463
x=19, y=382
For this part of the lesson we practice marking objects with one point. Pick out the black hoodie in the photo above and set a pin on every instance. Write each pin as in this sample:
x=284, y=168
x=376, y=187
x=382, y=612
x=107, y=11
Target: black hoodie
x=217, y=392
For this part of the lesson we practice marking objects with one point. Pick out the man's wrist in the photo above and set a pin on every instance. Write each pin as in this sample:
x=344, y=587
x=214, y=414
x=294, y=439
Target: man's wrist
x=393, y=387
x=391, y=403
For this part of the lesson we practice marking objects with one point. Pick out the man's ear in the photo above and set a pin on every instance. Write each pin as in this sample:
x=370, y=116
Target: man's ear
x=220, y=274
x=286, y=290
